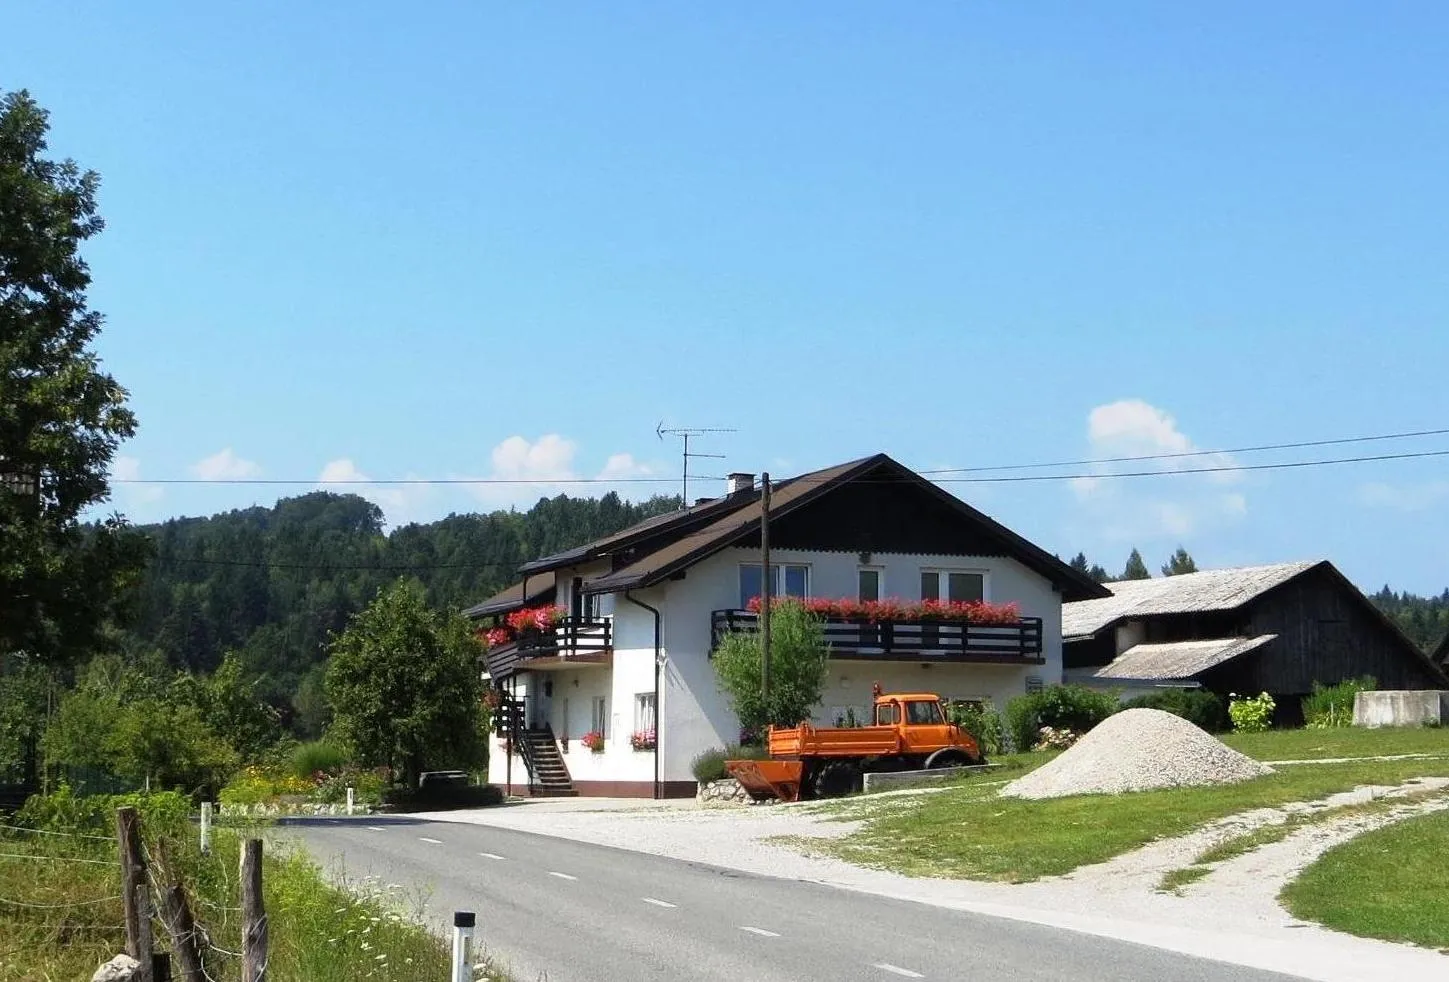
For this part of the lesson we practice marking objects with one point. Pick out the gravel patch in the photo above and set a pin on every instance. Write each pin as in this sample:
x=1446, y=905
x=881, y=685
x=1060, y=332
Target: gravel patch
x=1138, y=750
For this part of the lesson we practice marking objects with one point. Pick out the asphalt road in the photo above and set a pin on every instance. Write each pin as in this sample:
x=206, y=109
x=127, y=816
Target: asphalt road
x=573, y=912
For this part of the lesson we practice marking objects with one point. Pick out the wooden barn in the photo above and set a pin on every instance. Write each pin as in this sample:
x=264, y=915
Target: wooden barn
x=1276, y=629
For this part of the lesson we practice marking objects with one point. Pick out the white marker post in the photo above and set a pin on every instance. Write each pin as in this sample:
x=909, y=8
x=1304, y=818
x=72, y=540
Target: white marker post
x=351, y=798
x=463, y=921
x=205, y=827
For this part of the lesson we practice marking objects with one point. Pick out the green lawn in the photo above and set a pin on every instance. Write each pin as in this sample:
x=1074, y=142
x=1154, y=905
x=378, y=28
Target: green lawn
x=1392, y=883
x=968, y=832
x=1346, y=741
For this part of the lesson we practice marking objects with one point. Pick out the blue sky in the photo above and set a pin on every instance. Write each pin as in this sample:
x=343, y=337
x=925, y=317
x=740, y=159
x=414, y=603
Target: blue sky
x=507, y=240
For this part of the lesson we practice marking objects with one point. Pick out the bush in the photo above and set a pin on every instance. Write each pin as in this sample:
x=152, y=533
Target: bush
x=709, y=765
x=1062, y=707
x=982, y=722
x=442, y=797
x=317, y=757
x=257, y=786
x=1253, y=715
x=368, y=786
x=161, y=812
x=1198, y=706
x=1332, y=705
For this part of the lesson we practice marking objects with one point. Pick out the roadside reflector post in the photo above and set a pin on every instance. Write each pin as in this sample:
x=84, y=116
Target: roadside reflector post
x=351, y=798
x=205, y=827
x=463, y=921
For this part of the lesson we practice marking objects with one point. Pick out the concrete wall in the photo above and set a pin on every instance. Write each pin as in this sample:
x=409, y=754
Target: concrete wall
x=1401, y=708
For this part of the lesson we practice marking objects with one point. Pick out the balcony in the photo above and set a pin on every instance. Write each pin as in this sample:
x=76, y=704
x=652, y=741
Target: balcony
x=1016, y=643
x=571, y=643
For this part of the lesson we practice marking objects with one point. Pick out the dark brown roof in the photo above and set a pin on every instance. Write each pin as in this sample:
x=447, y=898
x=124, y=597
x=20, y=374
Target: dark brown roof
x=1441, y=654
x=797, y=492
x=541, y=589
x=660, y=525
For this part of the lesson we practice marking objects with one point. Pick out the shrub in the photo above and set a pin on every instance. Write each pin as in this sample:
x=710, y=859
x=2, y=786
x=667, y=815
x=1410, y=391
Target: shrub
x=318, y=756
x=983, y=722
x=256, y=786
x=1253, y=715
x=1332, y=705
x=367, y=785
x=1062, y=707
x=799, y=663
x=1198, y=706
x=709, y=765
x=161, y=812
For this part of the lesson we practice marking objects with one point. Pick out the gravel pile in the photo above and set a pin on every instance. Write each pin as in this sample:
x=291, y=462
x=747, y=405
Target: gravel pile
x=1138, y=750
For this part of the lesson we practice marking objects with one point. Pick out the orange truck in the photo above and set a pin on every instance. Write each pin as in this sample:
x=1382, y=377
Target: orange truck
x=910, y=732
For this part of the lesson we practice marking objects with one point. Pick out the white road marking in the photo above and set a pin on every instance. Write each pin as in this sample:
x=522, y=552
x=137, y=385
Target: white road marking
x=436, y=842
x=758, y=930
x=897, y=970
x=659, y=903
x=562, y=876
x=376, y=828
x=490, y=855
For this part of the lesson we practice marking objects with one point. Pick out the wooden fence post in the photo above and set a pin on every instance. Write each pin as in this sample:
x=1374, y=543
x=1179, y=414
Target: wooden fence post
x=182, y=928
x=145, y=972
x=133, y=874
x=254, y=914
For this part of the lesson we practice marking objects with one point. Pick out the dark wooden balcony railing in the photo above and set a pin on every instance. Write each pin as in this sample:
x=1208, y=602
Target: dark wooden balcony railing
x=1018, y=643
x=573, y=638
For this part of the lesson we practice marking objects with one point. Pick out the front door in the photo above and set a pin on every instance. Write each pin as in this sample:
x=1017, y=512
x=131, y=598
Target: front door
x=542, y=702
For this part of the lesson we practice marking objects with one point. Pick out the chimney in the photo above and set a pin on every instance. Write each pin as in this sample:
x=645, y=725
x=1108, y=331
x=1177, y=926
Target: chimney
x=740, y=482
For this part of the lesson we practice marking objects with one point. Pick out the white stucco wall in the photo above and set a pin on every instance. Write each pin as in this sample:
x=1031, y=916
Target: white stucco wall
x=694, y=713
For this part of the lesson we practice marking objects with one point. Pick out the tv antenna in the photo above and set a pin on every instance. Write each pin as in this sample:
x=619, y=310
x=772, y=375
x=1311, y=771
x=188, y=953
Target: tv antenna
x=684, y=433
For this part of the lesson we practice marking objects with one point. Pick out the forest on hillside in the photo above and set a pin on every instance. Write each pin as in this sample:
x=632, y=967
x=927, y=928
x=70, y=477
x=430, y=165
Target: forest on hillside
x=274, y=584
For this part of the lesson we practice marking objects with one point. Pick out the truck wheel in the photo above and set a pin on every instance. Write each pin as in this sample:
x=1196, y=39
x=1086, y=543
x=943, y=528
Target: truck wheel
x=836, y=779
x=949, y=758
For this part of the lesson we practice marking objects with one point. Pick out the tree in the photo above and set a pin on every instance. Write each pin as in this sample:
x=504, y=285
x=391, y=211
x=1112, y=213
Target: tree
x=1095, y=571
x=61, y=417
x=1135, y=569
x=230, y=707
x=1180, y=563
x=798, y=668
x=405, y=686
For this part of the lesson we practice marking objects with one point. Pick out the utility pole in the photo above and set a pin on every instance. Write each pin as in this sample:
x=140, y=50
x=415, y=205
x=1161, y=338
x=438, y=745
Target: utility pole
x=765, y=589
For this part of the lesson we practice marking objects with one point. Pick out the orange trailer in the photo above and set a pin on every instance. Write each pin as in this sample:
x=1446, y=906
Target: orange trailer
x=910, y=732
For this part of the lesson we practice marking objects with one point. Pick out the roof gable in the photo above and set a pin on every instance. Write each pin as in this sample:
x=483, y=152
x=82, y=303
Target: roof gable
x=1187, y=593
x=961, y=529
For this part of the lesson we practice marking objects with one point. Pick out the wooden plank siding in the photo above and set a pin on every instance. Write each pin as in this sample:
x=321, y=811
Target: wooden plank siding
x=1326, y=633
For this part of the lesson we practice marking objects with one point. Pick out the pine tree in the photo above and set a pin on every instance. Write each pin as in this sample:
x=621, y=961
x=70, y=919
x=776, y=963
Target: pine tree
x=1135, y=569
x=1180, y=563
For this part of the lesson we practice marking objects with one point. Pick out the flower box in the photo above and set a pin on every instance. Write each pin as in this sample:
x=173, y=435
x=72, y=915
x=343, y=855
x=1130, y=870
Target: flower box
x=878, y=611
x=644, y=740
x=594, y=740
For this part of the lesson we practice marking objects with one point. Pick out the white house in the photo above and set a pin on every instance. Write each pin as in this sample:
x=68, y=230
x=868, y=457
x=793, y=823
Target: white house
x=639, y=612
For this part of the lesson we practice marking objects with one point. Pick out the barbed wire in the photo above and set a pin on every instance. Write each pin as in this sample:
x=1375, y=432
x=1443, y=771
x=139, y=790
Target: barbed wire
x=58, y=859
x=74, y=903
x=68, y=835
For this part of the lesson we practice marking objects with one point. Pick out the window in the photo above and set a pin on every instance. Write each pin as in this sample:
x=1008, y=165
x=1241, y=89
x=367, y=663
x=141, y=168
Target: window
x=644, y=715
x=924, y=713
x=885, y=714
x=785, y=581
x=958, y=586
x=868, y=584
x=600, y=717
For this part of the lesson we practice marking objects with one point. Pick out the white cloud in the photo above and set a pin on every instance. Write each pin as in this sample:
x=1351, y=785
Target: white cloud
x=225, y=465
x=400, y=503
x=1405, y=497
x=1148, y=509
x=124, y=468
x=623, y=465
x=549, y=459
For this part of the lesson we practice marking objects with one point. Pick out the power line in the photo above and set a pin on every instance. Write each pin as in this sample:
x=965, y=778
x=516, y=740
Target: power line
x=1175, y=455
x=1191, y=453
x=392, y=568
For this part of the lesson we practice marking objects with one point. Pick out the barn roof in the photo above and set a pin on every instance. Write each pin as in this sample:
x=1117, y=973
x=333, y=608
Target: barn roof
x=1208, y=590
x=1178, y=659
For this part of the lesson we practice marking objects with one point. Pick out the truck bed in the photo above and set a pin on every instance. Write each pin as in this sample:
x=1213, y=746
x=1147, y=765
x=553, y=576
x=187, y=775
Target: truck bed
x=845, y=741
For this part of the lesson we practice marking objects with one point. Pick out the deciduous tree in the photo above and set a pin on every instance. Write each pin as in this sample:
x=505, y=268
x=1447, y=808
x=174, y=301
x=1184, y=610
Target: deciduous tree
x=61, y=417
x=798, y=668
x=405, y=686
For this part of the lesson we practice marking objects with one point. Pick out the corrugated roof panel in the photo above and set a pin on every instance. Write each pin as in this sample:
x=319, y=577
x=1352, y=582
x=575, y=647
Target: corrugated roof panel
x=1178, y=659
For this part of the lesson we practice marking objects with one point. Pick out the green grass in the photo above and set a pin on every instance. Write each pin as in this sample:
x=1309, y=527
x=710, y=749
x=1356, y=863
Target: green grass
x=968, y=832
x=71, y=920
x=1178, y=878
x=1347, y=741
x=1391, y=883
